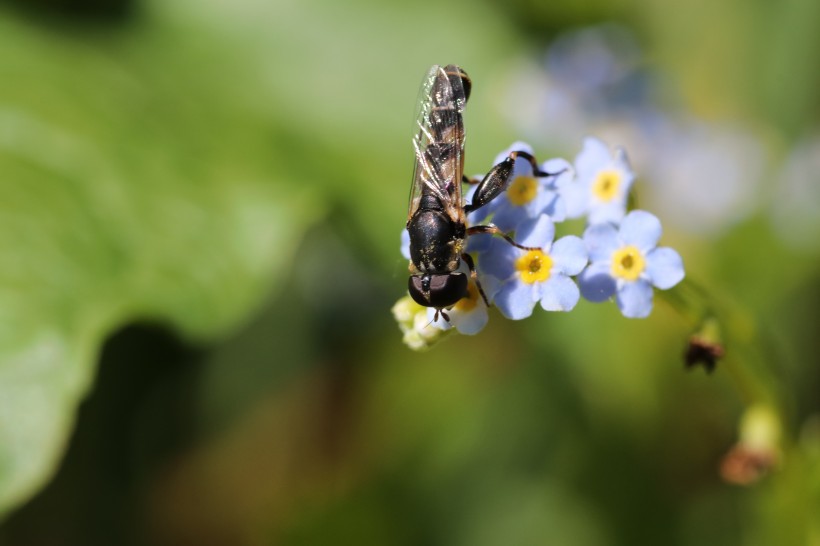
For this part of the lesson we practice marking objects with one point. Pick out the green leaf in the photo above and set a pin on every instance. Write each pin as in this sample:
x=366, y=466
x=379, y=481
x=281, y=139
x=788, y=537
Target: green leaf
x=132, y=187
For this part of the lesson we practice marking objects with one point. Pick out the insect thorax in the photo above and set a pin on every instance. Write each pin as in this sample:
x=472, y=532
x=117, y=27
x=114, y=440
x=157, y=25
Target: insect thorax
x=436, y=241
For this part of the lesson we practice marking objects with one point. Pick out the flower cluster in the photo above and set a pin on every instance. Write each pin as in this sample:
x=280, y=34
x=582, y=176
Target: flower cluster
x=616, y=258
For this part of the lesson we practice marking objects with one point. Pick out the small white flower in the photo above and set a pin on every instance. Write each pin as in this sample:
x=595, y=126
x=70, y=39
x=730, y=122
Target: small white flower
x=418, y=331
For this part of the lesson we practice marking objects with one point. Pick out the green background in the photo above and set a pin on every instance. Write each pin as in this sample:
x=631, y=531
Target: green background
x=200, y=205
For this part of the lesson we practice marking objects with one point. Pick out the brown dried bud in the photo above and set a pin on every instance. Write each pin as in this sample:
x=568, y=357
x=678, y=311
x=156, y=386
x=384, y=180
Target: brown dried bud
x=744, y=465
x=704, y=352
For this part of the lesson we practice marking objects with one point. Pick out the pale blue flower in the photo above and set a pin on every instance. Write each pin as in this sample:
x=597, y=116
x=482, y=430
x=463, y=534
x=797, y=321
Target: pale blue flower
x=626, y=263
x=405, y=243
x=530, y=277
x=527, y=196
x=601, y=186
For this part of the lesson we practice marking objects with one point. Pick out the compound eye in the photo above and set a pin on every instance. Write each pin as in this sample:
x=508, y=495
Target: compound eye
x=466, y=83
x=444, y=290
x=417, y=291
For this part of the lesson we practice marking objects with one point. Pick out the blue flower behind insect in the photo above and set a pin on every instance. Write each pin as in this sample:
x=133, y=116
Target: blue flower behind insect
x=532, y=276
x=602, y=184
x=626, y=263
x=527, y=195
x=405, y=243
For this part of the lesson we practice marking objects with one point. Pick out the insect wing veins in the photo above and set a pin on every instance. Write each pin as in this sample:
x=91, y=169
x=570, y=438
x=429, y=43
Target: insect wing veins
x=438, y=141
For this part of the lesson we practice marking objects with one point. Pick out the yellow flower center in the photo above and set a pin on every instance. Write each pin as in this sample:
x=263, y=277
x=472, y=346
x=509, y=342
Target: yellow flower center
x=606, y=185
x=522, y=190
x=628, y=263
x=468, y=302
x=534, y=266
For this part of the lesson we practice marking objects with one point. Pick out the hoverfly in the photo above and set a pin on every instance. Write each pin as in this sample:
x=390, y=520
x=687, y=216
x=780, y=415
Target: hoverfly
x=436, y=220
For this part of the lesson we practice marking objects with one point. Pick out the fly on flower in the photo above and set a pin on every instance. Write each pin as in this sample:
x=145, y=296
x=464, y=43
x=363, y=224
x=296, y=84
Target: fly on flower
x=436, y=221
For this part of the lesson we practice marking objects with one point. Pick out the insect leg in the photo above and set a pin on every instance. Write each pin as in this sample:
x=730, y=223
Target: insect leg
x=492, y=185
x=493, y=230
x=529, y=157
x=497, y=179
x=473, y=275
x=443, y=314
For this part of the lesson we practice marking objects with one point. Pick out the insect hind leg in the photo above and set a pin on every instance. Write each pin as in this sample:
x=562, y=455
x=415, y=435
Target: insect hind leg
x=494, y=230
x=496, y=181
x=531, y=159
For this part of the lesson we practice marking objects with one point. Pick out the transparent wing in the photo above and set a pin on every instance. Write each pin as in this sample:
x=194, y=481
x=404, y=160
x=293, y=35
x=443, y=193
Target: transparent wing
x=438, y=141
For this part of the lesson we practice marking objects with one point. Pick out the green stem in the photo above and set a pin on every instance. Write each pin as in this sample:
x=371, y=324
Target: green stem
x=748, y=359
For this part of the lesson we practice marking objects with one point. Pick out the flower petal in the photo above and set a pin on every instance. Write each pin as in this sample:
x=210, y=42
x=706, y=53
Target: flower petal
x=562, y=171
x=596, y=283
x=479, y=243
x=559, y=293
x=594, y=156
x=470, y=323
x=498, y=260
x=642, y=229
x=569, y=255
x=601, y=241
x=664, y=267
x=515, y=300
x=540, y=202
x=405, y=243
x=508, y=216
x=635, y=299
x=521, y=166
x=536, y=232
x=557, y=207
x=490, y=285
x=622, y=162
x=611, y=212
x=576, y=197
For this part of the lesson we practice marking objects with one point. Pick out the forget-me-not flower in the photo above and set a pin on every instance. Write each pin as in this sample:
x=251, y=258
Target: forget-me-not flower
x=602, y=184
x=528, y=195
x=532, y=276
x=523, y=265
x=626, y=263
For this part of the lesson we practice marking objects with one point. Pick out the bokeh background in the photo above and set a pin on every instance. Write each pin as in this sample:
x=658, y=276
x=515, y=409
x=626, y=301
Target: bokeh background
x=200, y=208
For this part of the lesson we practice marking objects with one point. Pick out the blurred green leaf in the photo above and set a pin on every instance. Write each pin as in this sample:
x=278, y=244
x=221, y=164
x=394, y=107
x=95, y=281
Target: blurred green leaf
x=132, y=187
